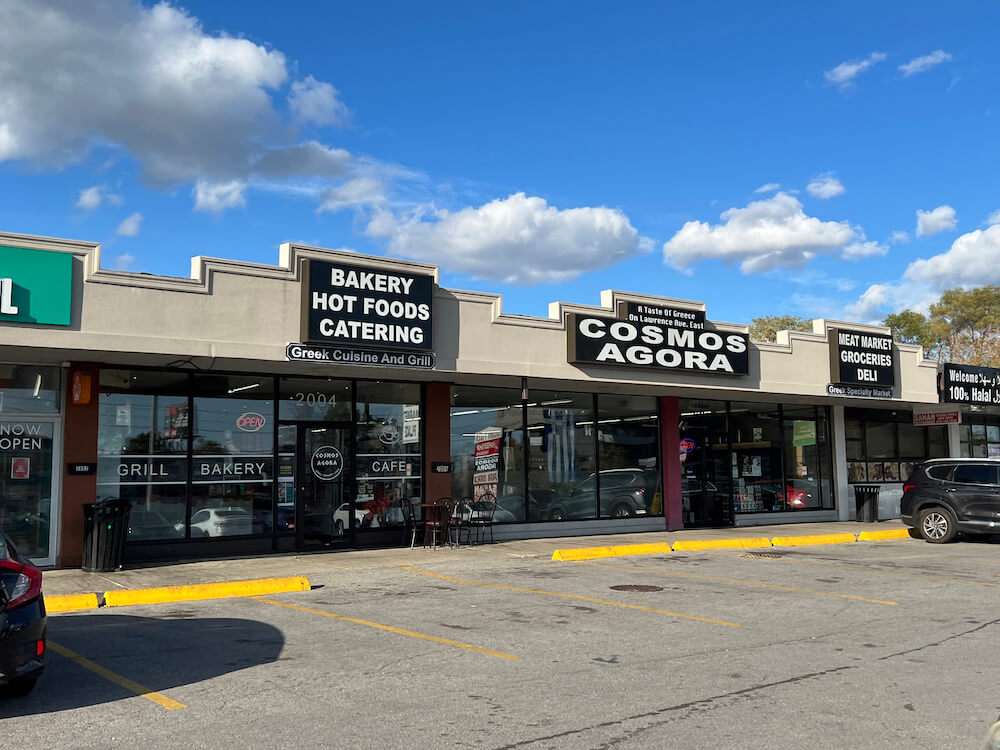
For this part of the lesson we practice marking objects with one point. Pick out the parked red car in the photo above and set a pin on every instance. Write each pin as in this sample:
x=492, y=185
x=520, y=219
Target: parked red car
x=22, y=622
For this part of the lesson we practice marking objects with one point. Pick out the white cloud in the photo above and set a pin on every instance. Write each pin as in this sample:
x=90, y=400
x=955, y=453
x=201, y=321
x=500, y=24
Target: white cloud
x=993, y=218
x=89, y=198
x=187, y=105
x=215, y=197
x=124, y=262
x=859, y=250
x=312, y=101
x=765, y=235
x=899, y=237
x=130, y=226
x=363, y=192
x=519, y=239
x=844, y=74
x=938, y=220
x=768, y=187
x=972, y=260
x=920, y=64
x=825, y=186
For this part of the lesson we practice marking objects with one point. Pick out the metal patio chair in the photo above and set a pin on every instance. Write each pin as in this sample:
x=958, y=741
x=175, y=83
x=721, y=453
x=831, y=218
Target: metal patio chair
x=481, y=518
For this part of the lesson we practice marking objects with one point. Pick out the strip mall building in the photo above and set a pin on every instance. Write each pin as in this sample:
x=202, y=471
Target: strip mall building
x=255, y=408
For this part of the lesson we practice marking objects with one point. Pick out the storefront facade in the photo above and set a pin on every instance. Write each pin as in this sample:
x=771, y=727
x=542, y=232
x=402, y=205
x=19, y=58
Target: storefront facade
x=254, y=408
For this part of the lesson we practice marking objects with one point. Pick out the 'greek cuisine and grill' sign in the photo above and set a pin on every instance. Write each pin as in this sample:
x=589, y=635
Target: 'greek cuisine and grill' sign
x=657, y=337
x=366, y=306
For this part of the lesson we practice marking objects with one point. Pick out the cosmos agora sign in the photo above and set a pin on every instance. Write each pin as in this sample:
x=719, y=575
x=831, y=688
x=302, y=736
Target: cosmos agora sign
x=659, y=337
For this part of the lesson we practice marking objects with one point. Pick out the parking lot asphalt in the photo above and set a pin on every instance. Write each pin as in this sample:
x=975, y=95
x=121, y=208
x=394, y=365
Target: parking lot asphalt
x=866, y=645
x=184, y=573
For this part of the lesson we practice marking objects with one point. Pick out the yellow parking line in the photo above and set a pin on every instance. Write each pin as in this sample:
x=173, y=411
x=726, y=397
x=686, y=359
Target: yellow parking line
x=741, y=582
x=168, y=703
x=571, y=596
x=391, y=629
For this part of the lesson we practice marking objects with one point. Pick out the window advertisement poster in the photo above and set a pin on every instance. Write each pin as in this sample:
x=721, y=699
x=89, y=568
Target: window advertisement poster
x=367, y=306
x=487, y=458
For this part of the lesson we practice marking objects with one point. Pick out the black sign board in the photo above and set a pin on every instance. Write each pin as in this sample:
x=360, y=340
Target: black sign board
x=79, y=470
x=862, y=358
x=674, y=317
x=441, y=467
x=365, y=306
x=342, y=355
x=672, y=343
x=967, y=384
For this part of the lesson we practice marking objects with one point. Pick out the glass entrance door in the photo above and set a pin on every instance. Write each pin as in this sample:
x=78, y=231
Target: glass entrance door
x=323, y=482
x=706, y=464
x=28, y=485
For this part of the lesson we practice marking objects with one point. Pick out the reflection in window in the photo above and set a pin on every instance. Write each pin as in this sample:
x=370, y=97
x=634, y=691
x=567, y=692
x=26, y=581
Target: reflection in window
x=29, y=389
x=142, y=449
x=561, y=455
x=26, y=484
x=628, y=430
x=487, y=450
x=232, y=471
x=389, y=453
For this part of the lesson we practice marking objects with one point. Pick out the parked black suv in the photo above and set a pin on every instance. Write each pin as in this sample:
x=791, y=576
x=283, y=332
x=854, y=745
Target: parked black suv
x=944, y=496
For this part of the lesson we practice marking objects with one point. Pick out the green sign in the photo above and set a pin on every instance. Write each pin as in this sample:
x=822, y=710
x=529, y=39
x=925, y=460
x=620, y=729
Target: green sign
x=803, y=432
x=36, y=286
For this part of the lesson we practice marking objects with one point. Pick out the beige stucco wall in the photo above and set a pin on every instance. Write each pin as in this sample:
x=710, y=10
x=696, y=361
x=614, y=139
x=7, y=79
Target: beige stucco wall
x=236, y=315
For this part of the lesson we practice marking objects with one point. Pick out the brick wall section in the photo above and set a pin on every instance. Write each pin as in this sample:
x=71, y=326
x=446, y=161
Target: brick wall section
x=79, y=446
x=437, y=438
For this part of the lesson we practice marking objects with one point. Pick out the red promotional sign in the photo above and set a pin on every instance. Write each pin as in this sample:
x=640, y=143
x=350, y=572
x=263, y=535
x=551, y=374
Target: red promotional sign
x=486, y=477
x=20, y=468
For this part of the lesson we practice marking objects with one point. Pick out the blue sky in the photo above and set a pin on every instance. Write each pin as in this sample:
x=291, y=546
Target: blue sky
x=829, y=161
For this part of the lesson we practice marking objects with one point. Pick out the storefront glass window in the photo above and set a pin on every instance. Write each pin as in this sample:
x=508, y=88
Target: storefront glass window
x=315, y=399
x=890, y=445
x=29, y=389
x=628, y=429
x=755, y=431
x=389, y=449
x=806, y=459
x=26, y=484
x=232, y=470
x=487, y=450
x=142, y=449
x=561, y=455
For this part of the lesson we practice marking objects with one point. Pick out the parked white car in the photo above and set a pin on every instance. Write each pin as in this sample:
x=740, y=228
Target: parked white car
x=220, y=522
x=341, y=516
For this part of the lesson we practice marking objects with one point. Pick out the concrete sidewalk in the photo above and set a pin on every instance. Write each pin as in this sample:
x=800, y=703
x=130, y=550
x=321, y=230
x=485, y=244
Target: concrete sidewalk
x=148, y=575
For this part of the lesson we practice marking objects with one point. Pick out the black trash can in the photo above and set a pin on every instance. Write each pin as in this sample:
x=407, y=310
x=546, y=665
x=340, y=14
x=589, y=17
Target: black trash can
x=105, y=526
x=866, y=502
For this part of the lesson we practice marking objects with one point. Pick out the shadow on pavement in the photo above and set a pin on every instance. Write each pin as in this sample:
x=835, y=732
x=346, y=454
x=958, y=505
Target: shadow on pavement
x=158, y=652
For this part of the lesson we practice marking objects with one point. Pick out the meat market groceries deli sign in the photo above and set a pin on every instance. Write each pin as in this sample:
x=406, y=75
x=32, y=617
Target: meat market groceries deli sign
x=656, y=337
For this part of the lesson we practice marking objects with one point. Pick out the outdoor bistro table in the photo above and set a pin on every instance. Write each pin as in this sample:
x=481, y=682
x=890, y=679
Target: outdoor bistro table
x=435, y=520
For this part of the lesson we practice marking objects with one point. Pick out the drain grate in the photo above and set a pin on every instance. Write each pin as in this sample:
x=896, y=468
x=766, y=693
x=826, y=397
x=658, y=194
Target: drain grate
x=767, y=555
x=636, y=587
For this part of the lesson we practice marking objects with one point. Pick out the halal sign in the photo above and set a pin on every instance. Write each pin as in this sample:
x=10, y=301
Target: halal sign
x=251, y=421
x=327, y=463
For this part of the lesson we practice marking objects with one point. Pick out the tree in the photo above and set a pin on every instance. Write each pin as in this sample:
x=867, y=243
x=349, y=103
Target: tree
x=910, y=327
x=767, y=327
x=963, y=326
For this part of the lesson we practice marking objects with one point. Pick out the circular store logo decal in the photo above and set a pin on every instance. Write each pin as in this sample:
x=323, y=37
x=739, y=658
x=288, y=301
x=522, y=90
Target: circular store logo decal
x=687, y=445
x=250, y=422
x=327, y=462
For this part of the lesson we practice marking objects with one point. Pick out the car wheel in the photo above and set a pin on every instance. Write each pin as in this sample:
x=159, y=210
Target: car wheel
x=18, y=688
x=557, y=515
x=338, y=528
x=622, y=510
x=937, y=525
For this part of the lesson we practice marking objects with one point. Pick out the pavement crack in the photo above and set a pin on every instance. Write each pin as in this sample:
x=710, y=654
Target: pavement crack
x=952, y=637
x=701, y=703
